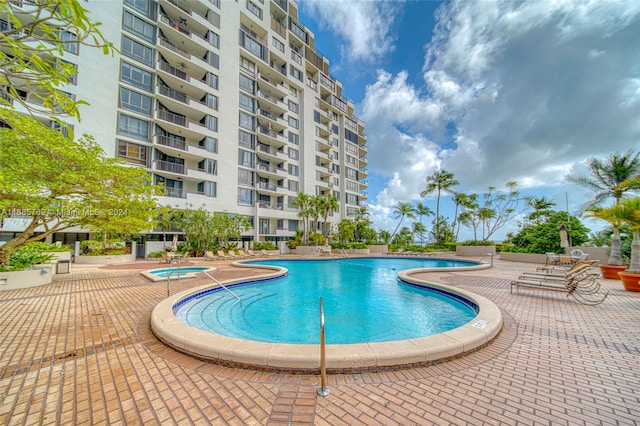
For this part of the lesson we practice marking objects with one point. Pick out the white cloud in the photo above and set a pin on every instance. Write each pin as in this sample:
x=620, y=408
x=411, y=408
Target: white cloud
x=363, y=24
x=527, y=90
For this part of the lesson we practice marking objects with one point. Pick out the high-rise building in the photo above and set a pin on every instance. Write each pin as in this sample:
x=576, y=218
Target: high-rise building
x=226, y=103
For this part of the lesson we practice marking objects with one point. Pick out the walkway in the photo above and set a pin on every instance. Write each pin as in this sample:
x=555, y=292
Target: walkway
x=80, y=351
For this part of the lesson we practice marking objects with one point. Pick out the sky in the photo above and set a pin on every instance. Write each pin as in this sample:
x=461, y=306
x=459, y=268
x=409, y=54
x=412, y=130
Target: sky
x=491, y=91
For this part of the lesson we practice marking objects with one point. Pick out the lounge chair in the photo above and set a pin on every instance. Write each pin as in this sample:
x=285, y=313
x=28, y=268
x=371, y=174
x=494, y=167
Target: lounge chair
x=552, y=259
x=265, y=253
x=236, y=255
x=563, y=273
x=222, y=255
x=250, y=253
x=208, y=255
x=578, y=283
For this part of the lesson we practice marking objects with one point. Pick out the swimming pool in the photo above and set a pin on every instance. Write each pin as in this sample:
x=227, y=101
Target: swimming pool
x=370, y=356
x=363, y=302
x=177, y=272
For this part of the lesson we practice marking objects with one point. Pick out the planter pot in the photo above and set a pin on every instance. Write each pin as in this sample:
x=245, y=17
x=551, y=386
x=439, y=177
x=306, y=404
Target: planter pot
x=630, y=280
x=610, y=272
x=117, y=258
x=36, y=276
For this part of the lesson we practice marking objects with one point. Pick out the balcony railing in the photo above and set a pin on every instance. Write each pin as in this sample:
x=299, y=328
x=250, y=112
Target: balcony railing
x=171, y=117
x=173, y=94
x=166, y=43
x=166, y=67
x=168, y=166
x=172, y=142
x=175, y=193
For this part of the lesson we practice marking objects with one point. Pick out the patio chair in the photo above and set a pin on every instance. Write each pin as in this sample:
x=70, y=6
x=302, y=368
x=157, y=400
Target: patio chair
x=552, y=259
x=250, y=253
x=164, y=258
x=265, y=253
x=579, y=283
x=236, y=255
x=222, y=255
x=208, y=255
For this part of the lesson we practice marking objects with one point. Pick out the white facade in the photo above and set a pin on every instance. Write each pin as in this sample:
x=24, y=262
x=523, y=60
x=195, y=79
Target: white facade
x=227, y=103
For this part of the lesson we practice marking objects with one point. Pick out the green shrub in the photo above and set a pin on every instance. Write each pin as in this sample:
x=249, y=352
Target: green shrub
x=264, y=245
x=25, y=258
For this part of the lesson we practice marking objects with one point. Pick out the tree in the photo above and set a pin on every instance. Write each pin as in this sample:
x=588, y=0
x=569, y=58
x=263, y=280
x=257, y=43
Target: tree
x=441, y=180
x=605, y=179
x=543, y=237
x=418, y=230
x=498, y=209
x=53, y=183
x=402, y=210
x=304, y=205
x=330, y=204
x=32, y=48
x=541, y=208
x=606, y=176
x=422, y=210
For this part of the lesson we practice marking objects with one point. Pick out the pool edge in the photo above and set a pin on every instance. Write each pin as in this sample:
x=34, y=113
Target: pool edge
x=365, y=357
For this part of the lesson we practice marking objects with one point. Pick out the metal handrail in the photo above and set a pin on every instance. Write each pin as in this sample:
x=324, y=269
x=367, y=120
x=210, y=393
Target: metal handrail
x=323, y=390
x=172, y=272
x=222, y=285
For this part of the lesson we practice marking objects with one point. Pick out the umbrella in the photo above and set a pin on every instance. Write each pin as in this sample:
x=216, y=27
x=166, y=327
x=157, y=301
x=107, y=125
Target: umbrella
x=174, y=246
x=564, y=237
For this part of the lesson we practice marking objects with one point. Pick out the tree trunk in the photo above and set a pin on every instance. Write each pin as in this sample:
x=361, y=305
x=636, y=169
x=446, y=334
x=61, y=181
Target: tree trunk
x=634, y=264
x=615, y=254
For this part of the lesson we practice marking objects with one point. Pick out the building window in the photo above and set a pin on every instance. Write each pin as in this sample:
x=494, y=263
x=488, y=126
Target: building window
x=247, y=121
x=254, y=9
x=293, y=122
x=135, y=101
x=136, y=76
x=352, y=199
x=294, y=170
x=294, y=139
x=245, y=177
x=247, y=102
x=133, y=153
x=293, y=154
x=247, y=140
x=73, y=78
x=247, y=65
x=316, y=117
x=295, y=72
x=208, y=165
x=134, y=127
x=210, y=122
x=278, y=44
x=210, y=144
x=139, y=27
x=208, y=188
x=143, y=6
x=137, y=51
x=294, y=107
x=70, y=42
x=247, y=84
x=246, y=158
x=351, y=173
x=211, y=80
x=292, y=225
x=293, y=92
x=293, y=185
x=245, y=196
x=213, y=39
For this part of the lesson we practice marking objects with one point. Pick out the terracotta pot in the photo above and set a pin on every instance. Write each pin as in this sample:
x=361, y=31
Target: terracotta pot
x=610, y=272
x=630, y=280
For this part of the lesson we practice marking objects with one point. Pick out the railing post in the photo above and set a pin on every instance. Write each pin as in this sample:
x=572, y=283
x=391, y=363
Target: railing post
x=323, y=390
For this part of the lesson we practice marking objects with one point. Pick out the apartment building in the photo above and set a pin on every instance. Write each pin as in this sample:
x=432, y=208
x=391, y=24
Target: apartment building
x=227, y=103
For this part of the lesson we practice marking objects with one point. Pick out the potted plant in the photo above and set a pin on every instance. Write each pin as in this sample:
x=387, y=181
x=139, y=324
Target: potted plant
x=628, y=211
x=615, y=264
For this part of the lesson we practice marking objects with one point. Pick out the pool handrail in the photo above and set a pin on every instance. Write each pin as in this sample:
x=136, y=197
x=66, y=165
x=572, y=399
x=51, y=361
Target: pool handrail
x=221, y=285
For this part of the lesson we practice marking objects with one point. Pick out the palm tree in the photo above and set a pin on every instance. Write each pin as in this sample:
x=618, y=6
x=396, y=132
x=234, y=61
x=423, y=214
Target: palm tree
x=605, y=181
x=541, y=207
x=605, y=177
x=440, y=181
x=615, y=254
x=422, y=210
x=303, y=203
x=627, y=210
x=330, y=204
x=418, y=229
x=402, y=210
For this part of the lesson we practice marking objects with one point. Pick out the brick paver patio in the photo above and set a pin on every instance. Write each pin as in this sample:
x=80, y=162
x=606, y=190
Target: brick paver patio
x=80, y=351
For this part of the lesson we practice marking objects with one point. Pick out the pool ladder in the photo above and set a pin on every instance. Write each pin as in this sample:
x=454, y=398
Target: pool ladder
x=223, y=286
x=172, y=272
x=323, y=390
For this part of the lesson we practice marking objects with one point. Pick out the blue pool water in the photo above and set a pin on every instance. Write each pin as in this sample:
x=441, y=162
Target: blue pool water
x=363, y=302
x=178, y=271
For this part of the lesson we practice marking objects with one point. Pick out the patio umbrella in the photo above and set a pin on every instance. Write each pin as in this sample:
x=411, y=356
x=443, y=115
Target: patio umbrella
x=174, y=246
x=564, y=237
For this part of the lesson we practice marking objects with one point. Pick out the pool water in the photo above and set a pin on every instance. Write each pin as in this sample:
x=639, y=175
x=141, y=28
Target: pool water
x=363, y=302
x=177, y=271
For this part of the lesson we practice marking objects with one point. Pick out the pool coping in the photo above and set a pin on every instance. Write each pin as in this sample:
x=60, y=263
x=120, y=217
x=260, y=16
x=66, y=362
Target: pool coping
x=340, y=358
x=155, y=278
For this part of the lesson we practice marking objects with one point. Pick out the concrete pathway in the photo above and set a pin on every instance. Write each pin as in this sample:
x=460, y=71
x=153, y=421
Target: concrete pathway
x=80, y=351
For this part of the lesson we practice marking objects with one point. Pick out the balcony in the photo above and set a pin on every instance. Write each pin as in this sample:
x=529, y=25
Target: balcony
x=167, y=166
x=272, y=136
x=268, y=171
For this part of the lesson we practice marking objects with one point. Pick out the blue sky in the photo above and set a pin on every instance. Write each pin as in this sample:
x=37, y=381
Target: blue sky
x=491, y=91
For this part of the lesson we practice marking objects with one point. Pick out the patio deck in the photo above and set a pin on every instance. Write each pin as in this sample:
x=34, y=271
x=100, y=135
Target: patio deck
x=80, y=351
